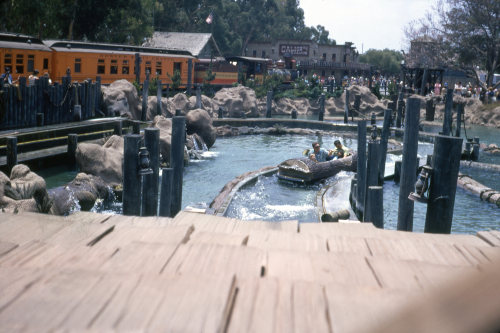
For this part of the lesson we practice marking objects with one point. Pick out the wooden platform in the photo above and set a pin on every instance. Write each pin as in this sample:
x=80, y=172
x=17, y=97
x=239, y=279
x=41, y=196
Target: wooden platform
x=203, y=273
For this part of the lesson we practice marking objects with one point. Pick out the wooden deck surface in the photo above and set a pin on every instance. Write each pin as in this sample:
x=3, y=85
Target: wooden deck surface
x=203, y=273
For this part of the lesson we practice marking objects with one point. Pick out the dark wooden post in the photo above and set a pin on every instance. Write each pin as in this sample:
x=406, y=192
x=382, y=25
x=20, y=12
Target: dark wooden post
x=321, y=107
x=397, y=171
x=11, y=152
x=372, y=172
x=475, y=149
x=72, y=144
x=361, y=168
x=177, y=161
x=430, y=110
x=373, y=119
x=198, y=96
x=158, y=97
x=460, y=111
x=118, y=130
x=383, y=144
x=39, y=119
x=294, y=114
x=131, y=177
x=374, y=210
x=443, y=184
x=352, y=194
x=269, y=104
x=145, y=93
x=178, y=112
x=166, y=192
x=190, y=76
x=357, y=102
x=136, y=127
x=401, y=105
x=409, y=165
x=448, y=112
x=346, y=108
x=150, y=182
x=138, y=61
x=424, y=81
x=221, y=112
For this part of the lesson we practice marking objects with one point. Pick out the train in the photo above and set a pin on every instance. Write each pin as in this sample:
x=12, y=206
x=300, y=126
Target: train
x=23, y=54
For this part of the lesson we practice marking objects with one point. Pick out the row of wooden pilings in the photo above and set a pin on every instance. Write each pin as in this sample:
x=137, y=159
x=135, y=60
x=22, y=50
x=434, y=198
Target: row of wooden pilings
x=435, y=184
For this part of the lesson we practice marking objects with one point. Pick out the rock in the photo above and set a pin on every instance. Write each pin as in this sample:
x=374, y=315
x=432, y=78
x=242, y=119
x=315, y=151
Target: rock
x=121, y=99
x=165, y=127
x=167, y=107
x=103, y=161
x=199, y=121
x=25, y=181
x=80, y=194
x=238, y=101
x=181, y=102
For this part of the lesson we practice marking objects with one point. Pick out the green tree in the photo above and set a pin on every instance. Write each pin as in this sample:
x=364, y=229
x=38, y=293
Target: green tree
x=387, y=61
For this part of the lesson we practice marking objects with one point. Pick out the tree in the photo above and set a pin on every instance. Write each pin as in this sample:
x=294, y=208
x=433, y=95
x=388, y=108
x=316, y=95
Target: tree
x=386, y=61
x=466, y=34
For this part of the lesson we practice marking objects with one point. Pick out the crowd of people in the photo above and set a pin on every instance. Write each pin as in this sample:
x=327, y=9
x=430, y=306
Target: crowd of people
x=6, y=77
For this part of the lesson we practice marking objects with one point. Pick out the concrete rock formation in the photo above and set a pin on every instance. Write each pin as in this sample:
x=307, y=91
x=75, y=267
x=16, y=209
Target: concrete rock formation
x=121, y=99
x=199, y=121
x=238, y=102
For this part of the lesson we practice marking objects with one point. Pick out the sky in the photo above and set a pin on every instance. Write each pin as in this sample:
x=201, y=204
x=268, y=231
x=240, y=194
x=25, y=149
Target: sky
x=369, y=24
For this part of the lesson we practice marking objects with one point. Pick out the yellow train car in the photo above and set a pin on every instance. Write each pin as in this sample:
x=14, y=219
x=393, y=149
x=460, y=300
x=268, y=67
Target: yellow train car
x=114, y=62
x=23, y=54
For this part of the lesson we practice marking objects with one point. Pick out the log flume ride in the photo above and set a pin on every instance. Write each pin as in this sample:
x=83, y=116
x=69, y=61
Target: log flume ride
x=304, y=170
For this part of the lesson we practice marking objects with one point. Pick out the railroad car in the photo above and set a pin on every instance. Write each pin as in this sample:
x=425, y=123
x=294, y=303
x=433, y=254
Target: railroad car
x=23, y=54
x=226, y=70
x=113, y=62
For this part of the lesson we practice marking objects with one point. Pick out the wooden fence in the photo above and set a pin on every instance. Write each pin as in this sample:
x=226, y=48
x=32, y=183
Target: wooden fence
x=42, y=103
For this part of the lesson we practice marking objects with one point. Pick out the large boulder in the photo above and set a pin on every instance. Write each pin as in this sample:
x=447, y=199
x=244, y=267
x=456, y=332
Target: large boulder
x=165, y=127
x=167, y=107
x=25, y=181
x=238, y=101
x=369, y=102
x=80, y=194
x=199, y=121
x=181, y=102
x=121, y=99
x=104, y=161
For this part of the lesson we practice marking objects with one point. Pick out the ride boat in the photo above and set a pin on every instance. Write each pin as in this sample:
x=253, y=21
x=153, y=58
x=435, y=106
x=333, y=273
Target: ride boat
x=304, y=170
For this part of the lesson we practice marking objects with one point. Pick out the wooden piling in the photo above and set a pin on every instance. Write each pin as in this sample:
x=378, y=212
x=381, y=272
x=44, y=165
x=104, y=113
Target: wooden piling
x=221, y=112
x=372, y=172
x=150, y=182
x=397, y=171
x=72, y=144
x=409, y=165
x=361, y=169
x=39, y=119
x=11, y=152
x=401, y=105
x=136, y=127
x=383, y=144
x=118, y=128
x=198, y=96
x=190, y=75
x=373, y=119
x=357, y=102
x=158, y=97
x=166, y=192
x=321, y=107
x=145, y=88
x=475, y=149
x=460, y=112
x=131, y=178
x=346, y=108
x=269, y=104
x=430, y=110
x=448, y=112
x=374, y=210
x=294, y=114
x=177, y=161
x=443, y=184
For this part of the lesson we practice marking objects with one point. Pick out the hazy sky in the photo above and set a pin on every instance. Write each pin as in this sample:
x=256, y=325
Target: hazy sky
x=369, y=24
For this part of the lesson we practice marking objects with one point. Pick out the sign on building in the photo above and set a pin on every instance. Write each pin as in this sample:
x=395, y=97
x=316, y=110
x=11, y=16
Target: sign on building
x=290, y=50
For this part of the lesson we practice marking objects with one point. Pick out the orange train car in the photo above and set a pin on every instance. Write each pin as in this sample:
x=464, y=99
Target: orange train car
x=226, y=71
x=22, y=54
x=113, y=62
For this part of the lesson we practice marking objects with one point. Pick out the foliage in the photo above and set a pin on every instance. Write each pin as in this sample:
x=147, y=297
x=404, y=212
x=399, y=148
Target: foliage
x=386, y=61
x=376, y=90
x=465, y=35
x=207, y=88
x=176, y=79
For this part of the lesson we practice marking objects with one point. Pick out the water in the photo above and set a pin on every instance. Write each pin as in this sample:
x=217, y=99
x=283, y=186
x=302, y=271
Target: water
x=274, y=200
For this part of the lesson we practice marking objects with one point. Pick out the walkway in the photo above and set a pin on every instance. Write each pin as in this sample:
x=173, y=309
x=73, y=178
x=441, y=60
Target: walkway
x=204, y=273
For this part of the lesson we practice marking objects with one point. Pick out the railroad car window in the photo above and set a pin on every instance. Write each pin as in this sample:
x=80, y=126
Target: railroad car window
x=125, y=67
x=78, y=65
x=158, y=68
x=8, y=59
x=177, y=66
x=45, y=63
x=114, y=67
x=19, y=64
x=101, y=68
x=31, y=63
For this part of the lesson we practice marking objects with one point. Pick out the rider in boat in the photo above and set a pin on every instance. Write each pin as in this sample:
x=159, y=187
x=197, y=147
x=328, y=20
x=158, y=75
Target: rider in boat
x=319, y=154
x=340, y=150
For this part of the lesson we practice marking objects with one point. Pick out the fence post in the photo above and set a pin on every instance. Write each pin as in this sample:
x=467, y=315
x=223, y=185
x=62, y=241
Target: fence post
x=383, y=144
x=136, y=127
x=430, y=110
x=346, y=108
x=321, y=107
x=373, y=119
x=221, y=112
x=177, y=161
x=357, y=102
x=448, y=112
x=375, y=206
x=72, y=144
x=409, y=165
x=150, y=182
x=166, y=192
x=118, y=130
x=269, y=104
x=361, y=169
x=443, y=184
x=137, y=67
x=11, y=152
x=460, y=112
x=145, y=93
x=190, y=74
x=158, y=97
x=475, y=149
x=198, y=96
x=294, y=114
x=98, y=96
x=372, y=172
x=131, y=177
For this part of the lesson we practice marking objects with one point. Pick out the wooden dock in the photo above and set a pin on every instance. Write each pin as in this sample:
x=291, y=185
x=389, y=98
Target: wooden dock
x=204, y=273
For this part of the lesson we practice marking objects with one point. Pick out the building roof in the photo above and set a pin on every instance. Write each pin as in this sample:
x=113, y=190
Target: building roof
x=189, y=41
